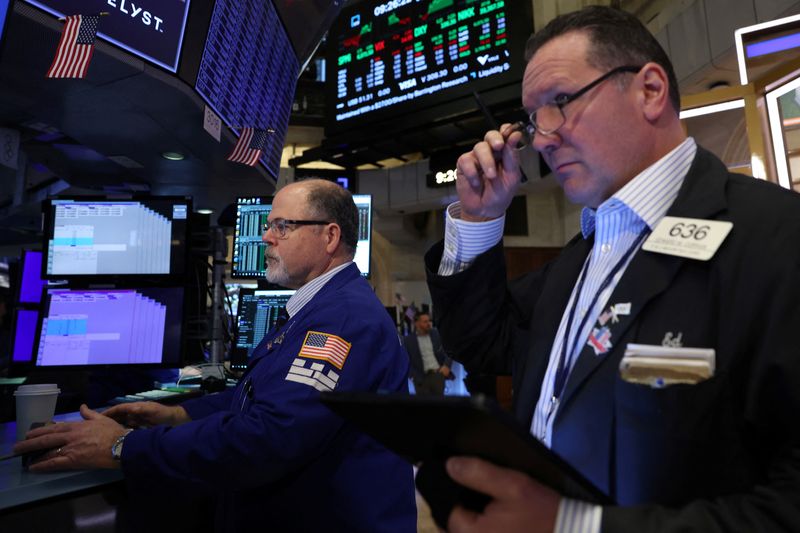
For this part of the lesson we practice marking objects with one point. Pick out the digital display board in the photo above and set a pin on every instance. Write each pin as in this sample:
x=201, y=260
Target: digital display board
x=150, y=29
x=386, y=54
x=249, y=71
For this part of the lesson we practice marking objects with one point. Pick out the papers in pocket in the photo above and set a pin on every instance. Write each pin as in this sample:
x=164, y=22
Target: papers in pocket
x=660, y=366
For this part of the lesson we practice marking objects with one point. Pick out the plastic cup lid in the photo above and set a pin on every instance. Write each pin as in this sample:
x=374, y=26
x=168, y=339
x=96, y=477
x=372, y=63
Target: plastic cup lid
x=45, y=388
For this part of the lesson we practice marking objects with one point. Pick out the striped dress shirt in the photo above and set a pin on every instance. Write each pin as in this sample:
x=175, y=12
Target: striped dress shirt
x=307, y=291
x=640, y=204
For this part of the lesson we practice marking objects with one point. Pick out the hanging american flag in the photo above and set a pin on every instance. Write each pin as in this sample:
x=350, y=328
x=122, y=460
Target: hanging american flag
x=250, y=146
x=327, y=347
x=75, y=47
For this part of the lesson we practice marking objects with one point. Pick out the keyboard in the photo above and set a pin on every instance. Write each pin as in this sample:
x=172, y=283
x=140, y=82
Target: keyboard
x=169, y=395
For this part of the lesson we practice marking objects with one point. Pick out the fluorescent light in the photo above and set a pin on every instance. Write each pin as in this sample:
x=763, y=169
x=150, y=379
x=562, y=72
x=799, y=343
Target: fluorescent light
x=713, y=108
x=205, y=211
x=173, y=156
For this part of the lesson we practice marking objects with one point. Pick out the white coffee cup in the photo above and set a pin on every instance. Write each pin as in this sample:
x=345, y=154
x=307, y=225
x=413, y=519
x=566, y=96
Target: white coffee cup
x=35, y=403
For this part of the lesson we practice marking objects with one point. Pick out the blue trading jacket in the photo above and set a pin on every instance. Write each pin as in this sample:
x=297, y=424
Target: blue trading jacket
x=277, y=458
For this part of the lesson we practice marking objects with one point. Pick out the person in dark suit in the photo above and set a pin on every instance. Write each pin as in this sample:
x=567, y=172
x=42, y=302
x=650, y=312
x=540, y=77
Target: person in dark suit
x=430, y=364
x=716, y=450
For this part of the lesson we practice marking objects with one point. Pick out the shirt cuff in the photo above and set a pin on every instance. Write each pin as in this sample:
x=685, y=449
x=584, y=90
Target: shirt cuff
x=578, y=517
x=464, y=240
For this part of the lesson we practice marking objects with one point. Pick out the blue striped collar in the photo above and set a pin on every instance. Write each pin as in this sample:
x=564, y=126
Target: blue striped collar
x=305, y=293
x=651, y=193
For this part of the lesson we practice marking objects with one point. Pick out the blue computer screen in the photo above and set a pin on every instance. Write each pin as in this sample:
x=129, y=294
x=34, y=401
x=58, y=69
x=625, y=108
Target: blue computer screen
x=82, y=327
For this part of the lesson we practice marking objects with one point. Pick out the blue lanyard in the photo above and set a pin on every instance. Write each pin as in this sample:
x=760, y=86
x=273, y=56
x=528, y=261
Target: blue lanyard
x=562, y=370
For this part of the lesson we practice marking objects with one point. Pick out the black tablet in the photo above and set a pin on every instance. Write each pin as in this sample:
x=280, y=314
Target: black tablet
x=425, y=429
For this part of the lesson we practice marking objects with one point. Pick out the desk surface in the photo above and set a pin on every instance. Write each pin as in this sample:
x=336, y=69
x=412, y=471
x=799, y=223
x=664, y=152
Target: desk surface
x=18, y=487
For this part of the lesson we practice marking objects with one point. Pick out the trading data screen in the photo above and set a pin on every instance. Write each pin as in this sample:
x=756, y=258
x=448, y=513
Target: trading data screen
x=384, y=54
x=249, y=70
x=103, y=238
x=111, y=327
x=248, y=249
x=257, y=313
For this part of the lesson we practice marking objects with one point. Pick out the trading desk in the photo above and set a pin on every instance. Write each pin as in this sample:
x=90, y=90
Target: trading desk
x=87, y=500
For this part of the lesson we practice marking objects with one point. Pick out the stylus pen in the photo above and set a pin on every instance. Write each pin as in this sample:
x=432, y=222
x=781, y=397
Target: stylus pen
x=492, y=123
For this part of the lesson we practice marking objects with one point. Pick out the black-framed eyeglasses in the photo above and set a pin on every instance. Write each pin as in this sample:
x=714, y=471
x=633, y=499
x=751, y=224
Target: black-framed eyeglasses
x=550, y=117
x=280, y=225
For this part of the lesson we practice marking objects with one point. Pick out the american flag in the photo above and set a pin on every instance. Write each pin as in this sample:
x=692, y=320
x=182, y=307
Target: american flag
x=326, y=347
x=250, y=146
x=75, y=47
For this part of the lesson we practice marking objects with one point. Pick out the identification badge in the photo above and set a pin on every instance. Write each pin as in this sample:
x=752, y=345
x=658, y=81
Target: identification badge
x=694, y=238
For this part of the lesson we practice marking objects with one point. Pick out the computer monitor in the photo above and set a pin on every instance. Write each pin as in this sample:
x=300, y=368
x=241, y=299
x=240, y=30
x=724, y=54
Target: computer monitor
x=258, y=310
x=25, y=321
x=248, y=248
x=30, y=278
x=122, y=326
x=100, y=237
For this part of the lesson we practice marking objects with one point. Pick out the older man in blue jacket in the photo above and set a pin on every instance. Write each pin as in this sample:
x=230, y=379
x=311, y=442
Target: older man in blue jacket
x=276, y=457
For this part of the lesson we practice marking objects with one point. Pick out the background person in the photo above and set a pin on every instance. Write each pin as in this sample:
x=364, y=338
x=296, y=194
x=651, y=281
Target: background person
x=430, y=364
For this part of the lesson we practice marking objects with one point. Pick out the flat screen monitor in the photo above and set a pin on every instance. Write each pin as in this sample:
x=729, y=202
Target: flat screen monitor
x=98, y=327
x=248, y=248
x=150, y=29
x=248, y=72
x=386, y=58
x=4, y=10
x=92, y=237
x=258, y=310
x=25, y=321
x=30, y=278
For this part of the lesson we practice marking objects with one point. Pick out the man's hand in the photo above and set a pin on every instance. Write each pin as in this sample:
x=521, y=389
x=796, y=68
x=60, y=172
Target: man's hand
x=145, y=414
x=489, y=175
x=445, y=371
x=519, y=504
x=73, y=445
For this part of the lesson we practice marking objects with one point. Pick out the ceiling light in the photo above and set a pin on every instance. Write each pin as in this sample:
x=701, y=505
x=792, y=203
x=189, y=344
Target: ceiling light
x=205, y=211
x=173, y=156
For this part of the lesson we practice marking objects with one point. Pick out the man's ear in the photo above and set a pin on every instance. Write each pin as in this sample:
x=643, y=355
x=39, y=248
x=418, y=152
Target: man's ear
x=333, y=237
x=654, y=87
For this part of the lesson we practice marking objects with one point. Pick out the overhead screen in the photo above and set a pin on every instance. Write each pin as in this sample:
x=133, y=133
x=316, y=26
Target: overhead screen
x=386, y=57
x=110, y=327
x=256, y=315
x=150, y=29
x=248, y=248
x=249, y=71
x=98, y=237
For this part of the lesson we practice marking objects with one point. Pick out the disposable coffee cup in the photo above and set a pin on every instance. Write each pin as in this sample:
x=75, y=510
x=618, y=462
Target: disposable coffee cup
x=35, y=404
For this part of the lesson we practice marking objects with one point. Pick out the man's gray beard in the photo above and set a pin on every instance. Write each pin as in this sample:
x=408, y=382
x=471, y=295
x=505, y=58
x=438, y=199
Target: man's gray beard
x=277, y=273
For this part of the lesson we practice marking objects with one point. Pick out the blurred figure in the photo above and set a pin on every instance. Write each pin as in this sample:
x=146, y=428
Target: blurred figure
x=430, y=365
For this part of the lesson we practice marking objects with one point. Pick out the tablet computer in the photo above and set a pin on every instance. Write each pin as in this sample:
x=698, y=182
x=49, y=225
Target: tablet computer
x=427, y=429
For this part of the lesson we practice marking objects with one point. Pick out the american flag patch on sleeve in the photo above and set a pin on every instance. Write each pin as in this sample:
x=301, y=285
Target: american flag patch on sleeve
x=326, y=347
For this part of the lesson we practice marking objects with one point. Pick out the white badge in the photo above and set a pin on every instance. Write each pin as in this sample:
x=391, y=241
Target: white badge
x=694, y=238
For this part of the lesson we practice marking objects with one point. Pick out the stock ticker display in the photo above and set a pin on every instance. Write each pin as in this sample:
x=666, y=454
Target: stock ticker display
x=402, y=50
x=248, y=71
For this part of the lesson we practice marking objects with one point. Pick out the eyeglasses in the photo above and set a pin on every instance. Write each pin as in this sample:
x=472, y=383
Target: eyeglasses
x=279, y=225
x=550, y=117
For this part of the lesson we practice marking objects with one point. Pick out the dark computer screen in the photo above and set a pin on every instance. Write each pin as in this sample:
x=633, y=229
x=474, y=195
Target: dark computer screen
x=249, y=70
x=100, y=237
x=257, y=313
x=248, y=248
x=131, y=326
x=31, y=282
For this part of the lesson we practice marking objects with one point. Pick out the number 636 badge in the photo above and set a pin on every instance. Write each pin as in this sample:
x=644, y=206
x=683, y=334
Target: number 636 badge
x=694, y=238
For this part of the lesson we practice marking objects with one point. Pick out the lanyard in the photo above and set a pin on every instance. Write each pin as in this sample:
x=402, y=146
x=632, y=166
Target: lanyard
x=562, y=369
